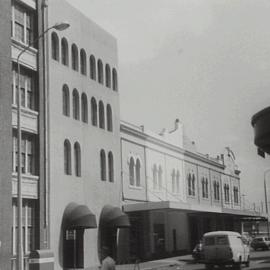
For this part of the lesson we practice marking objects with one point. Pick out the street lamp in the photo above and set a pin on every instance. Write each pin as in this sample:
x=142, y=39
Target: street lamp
x=60, y=27
x=266, y=201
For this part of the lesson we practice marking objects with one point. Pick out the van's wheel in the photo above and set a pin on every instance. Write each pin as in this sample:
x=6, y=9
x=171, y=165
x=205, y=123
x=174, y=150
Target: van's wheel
x=209, y=266
x=238, y=266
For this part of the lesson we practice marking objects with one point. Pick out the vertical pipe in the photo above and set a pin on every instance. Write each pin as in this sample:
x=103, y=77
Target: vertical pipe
x=19, y=170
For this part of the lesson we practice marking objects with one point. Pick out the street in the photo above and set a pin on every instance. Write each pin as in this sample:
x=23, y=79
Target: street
x=259, y=260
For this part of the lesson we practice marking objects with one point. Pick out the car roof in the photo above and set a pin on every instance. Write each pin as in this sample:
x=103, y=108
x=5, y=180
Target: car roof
x=221, y=233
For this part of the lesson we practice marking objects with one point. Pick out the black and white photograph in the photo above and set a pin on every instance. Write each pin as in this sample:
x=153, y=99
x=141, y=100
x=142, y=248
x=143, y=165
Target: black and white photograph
x=134, y=134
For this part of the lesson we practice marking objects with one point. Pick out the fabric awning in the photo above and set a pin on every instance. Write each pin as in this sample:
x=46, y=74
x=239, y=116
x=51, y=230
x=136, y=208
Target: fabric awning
x=112, y=216
x=79, y=217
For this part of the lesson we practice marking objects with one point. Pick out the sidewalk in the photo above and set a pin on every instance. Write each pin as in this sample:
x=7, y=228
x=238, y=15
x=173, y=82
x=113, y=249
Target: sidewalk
x=158, y=264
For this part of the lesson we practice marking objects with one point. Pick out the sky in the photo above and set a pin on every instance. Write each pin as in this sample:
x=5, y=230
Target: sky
x=204, y=62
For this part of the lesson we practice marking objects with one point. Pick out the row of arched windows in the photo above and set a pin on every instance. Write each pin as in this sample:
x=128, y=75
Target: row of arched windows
x=191, y=184
x=134, y=172
x=79, y=62
x=226, y=193
x=205, y=187
x=216, y=190
x=80, y=109
x=157, y=177
x=103, y=166
x=175, y=181
x=68, y=158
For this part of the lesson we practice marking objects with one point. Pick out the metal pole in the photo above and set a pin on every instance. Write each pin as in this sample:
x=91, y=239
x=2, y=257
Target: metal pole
x=20, y=265
x=266, y=201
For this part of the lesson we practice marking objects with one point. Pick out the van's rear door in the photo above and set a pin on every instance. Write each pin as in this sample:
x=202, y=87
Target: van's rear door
x=209, y=248
x=223, y=250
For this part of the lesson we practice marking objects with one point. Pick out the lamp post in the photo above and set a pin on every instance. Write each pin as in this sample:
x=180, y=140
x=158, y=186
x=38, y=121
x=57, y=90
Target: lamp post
x=20, y=265
x=266, y=200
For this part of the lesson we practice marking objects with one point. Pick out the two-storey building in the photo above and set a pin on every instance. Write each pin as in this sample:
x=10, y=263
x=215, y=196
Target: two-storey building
x=173, y=194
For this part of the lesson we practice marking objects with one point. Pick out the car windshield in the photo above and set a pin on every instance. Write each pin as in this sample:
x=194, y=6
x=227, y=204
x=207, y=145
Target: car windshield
x=209, y=241
x=222, y=240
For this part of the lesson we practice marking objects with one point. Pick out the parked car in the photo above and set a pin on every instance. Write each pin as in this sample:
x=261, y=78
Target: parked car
x=225, y=248
x=260, y=242
x=197, y=252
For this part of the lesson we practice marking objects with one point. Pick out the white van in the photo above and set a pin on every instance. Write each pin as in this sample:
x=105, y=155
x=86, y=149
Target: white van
x=225, y=248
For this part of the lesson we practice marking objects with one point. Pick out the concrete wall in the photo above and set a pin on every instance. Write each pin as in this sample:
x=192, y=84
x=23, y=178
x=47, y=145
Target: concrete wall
x=5, y=135
x=87, y=189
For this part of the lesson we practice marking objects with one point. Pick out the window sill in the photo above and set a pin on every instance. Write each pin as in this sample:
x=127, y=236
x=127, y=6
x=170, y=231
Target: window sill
x=135, y=187
x=26, y=110
x=24, y=45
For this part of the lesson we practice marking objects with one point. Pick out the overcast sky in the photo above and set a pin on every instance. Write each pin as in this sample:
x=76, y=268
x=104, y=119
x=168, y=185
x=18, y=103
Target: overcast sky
x=204, y=62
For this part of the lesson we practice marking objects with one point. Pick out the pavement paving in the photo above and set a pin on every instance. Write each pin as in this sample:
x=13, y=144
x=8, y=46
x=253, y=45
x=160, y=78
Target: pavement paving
x=162, y=264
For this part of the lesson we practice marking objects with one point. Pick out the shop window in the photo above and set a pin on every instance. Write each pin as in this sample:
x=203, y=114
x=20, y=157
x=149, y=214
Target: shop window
x=109, y=118
x=64, y=51
x=100, y=71
x=114, y=79
x=55, y=46
x=93, y=111
x=76, y=104
x=67, y=157
x=108, y=75
x=92, y=67
x=66, y=101
x=101, y=115
x=111, y=169
x=84, y=108
x=74, y=57
x=102, y=165
x=83, y=61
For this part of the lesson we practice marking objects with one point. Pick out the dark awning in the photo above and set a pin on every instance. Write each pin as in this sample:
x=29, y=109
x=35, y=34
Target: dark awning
x=113, y=217
x=79, y=217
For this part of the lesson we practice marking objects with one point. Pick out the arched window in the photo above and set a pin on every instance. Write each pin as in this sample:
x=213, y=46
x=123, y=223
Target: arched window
x=109, y=118
x=173, y=181
x=108, y=75
x=193, y=184
x=155, y=182
x=138, y=173
x=177, y=181
x=102, y=165
x=74, y=57
x=131, y=172
x=64, y=51
x=206, y=188
x=77, y=159
x=203, y=187
x=101, y=115
x=93, y=111
x=92, y=67
x=83, y=61
x=76, y=105
x=114, y=79
x=67, y=157
x=66, y=102
x=217, y=188
x=159, y=177
x=55, y=46
x=100, y=71
x=84, y=108
x=111, y=169
x=189, y=184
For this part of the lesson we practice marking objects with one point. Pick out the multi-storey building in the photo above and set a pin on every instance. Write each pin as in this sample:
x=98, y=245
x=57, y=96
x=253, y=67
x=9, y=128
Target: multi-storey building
x=173, y=194
x=83, y=140
x=70, y=160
